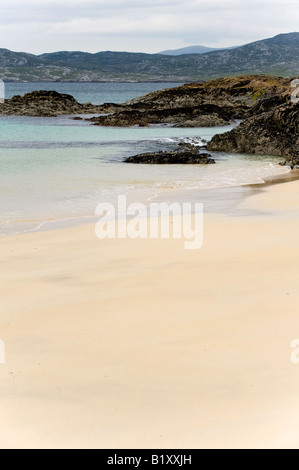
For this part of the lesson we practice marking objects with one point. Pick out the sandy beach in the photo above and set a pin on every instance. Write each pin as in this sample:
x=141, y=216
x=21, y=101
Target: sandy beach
x=135, y=344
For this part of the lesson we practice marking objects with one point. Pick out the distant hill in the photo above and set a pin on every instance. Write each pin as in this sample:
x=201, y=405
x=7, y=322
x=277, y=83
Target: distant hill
x=274, y=56
x=17, y=59
x=189, y=50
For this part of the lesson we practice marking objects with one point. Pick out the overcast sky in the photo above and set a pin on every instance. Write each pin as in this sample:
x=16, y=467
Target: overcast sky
x=140, y=25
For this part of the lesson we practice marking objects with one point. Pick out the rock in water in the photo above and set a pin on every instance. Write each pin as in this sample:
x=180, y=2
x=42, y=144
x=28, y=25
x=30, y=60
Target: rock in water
x=215, y=103
x=45, y=103
x=184, y=157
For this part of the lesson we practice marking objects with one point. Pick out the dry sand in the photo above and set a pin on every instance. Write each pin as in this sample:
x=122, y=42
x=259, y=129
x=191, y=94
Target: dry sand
x=142, y=344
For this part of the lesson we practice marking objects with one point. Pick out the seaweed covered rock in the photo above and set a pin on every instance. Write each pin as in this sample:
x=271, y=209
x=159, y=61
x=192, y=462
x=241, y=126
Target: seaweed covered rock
x=190, y=157
x=45, y=103
x=292, y=160
x=214, y=103
x=271, y=128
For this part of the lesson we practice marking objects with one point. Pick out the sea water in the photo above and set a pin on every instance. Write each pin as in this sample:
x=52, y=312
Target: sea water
x=58, y=169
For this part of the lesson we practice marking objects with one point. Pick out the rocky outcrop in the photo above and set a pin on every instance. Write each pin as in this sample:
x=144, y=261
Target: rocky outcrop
x=271, y=128
x=173, y=157
x=215, y=103
x=205, y=115
x=292, y=160
x=45, y=103
x=243, y=90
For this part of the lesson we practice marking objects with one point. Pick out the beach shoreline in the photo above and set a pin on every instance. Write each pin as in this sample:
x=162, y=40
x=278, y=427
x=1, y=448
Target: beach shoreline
x=222, y=199
x=142, y=344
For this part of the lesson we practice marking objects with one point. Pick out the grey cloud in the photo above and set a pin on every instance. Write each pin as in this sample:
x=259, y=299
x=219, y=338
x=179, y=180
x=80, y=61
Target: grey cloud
x=154, y=24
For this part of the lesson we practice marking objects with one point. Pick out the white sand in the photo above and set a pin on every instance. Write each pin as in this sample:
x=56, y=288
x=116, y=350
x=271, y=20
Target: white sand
x=142, y=344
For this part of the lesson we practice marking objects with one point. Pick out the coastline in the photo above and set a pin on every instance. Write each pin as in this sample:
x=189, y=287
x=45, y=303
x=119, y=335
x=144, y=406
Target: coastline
x=292, y=175
x=216, y=200
x=142, y=344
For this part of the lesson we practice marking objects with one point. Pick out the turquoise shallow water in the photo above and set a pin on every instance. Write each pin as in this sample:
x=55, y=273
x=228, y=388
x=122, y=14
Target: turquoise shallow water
x=54, y=169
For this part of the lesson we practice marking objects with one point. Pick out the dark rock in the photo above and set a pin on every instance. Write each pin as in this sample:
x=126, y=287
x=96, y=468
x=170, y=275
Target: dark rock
x=45, y=103
x=272, y=128
x=205, y=115
x=292, y=160
x=190, y=157
x=215, y=103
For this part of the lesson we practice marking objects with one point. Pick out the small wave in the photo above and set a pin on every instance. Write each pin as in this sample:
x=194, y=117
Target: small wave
x=196, y=141
x=16, y=228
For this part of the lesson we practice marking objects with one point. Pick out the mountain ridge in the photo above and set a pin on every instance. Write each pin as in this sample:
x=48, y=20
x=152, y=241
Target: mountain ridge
x=196, y=49
x=274, y=56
